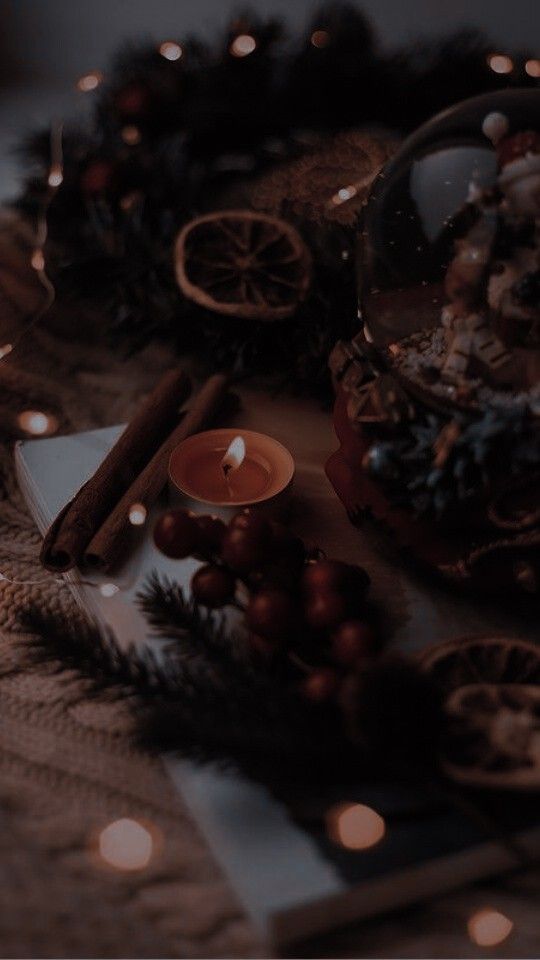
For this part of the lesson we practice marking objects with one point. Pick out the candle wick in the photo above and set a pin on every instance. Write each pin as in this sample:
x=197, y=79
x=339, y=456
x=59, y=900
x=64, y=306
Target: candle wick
x=227, y=470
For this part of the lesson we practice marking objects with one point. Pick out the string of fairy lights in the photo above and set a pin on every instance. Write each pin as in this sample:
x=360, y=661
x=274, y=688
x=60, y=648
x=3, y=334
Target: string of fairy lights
x=128, y=845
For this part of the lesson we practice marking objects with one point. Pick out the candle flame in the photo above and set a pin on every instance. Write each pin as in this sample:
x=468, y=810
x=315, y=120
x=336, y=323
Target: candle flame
x=234, y=456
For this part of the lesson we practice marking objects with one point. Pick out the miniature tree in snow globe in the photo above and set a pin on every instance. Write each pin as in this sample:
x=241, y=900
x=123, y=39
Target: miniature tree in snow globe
x=439, y=393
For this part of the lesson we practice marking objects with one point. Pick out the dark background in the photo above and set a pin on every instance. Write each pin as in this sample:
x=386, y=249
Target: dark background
x=46, y=45
x=53, y=39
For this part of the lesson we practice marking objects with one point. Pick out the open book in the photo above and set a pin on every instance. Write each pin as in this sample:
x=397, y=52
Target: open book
x=292, y=879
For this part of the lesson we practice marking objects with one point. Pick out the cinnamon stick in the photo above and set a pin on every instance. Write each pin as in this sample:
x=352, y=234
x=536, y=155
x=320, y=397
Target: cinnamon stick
x=72, y=531
x=112, y=539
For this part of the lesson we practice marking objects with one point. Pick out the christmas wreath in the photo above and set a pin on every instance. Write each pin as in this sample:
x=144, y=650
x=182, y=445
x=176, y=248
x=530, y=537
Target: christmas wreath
x=185, y=130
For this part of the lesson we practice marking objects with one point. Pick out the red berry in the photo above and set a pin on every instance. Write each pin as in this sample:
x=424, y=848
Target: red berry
x=352, y=641
x=176, y=534
x=212, y=586
x=246, y=543
x=334, y=575
x=272, y=614
x=211, y=531
x=325, y=610
x=320, y=685
x=254, y=522
x=98, y=177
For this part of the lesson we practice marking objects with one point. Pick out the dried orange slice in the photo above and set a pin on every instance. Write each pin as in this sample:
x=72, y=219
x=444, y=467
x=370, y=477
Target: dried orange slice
x=491, y=688
x=494, y=736
x=457, y=663
x=243, y=264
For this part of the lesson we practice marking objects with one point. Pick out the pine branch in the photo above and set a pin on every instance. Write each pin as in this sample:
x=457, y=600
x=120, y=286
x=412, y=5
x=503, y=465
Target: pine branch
x=92, y=650
x=249, y=721
x=194, y=633
x=172, y=617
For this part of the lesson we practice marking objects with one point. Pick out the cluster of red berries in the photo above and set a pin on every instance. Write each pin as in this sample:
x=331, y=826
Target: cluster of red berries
x=289, y=593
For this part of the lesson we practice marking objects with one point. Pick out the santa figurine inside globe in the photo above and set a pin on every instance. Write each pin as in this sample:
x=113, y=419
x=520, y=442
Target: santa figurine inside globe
x=438, y=396
x=493, y=280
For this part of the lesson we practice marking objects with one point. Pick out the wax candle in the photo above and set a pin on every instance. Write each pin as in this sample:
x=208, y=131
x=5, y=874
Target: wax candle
x=231, y=468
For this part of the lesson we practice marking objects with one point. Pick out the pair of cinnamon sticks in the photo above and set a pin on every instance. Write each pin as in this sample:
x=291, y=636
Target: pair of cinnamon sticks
x=94, y=528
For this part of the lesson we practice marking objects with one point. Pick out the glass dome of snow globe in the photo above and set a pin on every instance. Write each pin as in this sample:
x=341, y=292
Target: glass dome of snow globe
x=448, y=257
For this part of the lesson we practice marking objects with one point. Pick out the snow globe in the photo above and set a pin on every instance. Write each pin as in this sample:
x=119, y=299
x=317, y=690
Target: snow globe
x=438, y=395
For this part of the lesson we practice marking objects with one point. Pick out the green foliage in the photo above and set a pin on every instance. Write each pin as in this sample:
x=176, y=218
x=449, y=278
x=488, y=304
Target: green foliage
x=206, y=125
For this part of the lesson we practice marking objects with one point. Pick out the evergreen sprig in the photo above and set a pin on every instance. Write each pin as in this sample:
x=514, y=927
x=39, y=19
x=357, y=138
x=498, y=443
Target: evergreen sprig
x=92, y=650
x=212, y=701
x=490, y=448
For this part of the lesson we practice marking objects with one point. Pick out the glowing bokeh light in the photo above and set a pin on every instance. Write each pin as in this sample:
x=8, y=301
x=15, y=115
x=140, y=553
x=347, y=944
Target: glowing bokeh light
x=487, y=928
x=55, y=176
x=500, y=63
x=532, y=68
x=126, y=845
x=320, y=39
x=38, y=260
x=36, y=423
x=89, y=81
x=5, y=350
x=131, y=135
x=344, y=194
x=137, y=514
x=171, y=51
x=108, y=589
x=243, y=45
x=355, y=826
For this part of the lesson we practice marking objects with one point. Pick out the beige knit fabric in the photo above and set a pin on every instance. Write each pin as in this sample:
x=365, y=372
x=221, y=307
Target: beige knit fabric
x=68, y=765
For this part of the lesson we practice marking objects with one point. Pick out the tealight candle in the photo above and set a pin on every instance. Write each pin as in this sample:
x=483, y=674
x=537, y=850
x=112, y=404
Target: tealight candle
x=231, y=468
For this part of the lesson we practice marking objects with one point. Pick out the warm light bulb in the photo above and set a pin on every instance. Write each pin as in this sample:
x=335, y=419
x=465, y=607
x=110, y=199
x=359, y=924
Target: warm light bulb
x=487, y=928
x=108, y=589
x=36, y=423
x=89, y=81
x=344, y=194
x=130, y=199
x=131, y=135
x=38, y=260
x=171, y=51
x=55, y=176
x=320, y=38
x=532, y=68
x=355, y=826
x=126, y=845
x=500, y=63
x=137, y=514
x=243, y=45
